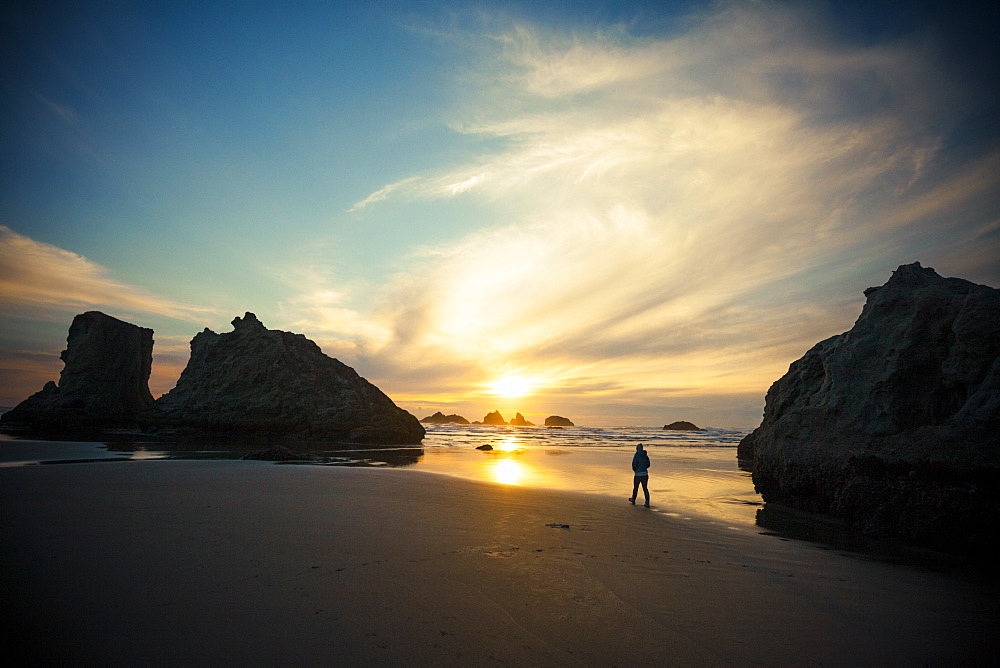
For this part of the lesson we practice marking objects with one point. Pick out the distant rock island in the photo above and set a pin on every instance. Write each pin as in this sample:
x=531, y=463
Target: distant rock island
x=519, y=421
x=895, y=424
x=682, y=426
x=250, y=382
x=104, y=383
x=441, y=418
x=493, y=418
x=558, y=421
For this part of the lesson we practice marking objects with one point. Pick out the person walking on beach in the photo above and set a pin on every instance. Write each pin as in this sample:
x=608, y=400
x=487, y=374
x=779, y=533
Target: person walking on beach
x=640, y=466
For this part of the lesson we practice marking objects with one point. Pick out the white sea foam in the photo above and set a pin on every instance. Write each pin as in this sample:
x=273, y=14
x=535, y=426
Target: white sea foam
x=449, y=435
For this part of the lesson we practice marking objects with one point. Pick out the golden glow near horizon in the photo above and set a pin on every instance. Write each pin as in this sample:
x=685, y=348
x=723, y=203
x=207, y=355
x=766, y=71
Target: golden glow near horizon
x=513, y=386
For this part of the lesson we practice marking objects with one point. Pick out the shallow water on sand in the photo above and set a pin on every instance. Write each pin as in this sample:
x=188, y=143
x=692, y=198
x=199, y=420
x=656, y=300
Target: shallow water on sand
x=692, y=473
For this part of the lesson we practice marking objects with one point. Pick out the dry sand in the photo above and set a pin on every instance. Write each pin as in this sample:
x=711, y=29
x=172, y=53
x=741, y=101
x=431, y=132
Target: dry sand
x=247, y=563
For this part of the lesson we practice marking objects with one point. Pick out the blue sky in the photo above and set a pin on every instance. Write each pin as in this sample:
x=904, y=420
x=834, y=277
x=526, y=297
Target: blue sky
x=632, y=213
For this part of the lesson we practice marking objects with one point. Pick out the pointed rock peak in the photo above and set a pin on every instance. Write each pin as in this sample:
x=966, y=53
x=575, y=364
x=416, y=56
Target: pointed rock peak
x=519, y=421
x=248, y=323
x=494, y=418
x=907, y=276
x=913, y=274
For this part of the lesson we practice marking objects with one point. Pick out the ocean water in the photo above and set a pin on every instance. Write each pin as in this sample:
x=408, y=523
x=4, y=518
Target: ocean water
x=451, y=435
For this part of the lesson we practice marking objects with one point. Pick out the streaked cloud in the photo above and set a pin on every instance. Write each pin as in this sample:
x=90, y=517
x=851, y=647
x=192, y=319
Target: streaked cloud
x=380, y=194
x=37, y=279
x=701, y=208
x=629, y=224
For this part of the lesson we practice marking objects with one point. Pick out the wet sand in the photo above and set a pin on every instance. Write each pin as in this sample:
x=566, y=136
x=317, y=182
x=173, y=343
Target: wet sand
x=248, y=563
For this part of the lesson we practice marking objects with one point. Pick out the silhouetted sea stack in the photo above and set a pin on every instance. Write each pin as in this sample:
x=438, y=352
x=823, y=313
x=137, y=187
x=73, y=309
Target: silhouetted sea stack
x=441, y=418
x=682, y=426
x=103, y=385
x=519, y=421
x=277, y=384
x=494, y=418
x=558, y=421
x=895, y=424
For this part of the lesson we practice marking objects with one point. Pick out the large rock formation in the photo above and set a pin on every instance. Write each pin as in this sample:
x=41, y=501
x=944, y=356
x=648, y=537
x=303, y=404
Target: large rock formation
x=558, y=421
x=519, y=421
x=277, y=384
x=894, y=424
x=494, y=418
x=441, y=418
x=103, y=385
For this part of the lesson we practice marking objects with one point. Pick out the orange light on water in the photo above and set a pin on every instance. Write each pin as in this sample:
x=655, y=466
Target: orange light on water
x=508, y=443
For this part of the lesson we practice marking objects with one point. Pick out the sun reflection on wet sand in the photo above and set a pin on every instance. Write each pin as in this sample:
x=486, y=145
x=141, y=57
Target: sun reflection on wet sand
x=507, y=471
x=706, y=482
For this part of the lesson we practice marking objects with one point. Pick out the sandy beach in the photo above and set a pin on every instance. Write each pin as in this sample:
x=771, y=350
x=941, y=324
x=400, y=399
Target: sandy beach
x=247, y=563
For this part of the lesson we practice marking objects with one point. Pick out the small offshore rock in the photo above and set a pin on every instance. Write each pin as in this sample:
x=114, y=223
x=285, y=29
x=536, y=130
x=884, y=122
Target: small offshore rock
x=558, y=421
x=485, y=446
x=441, y=418
x=682, y=426
x=494, y=418
x=519, y=421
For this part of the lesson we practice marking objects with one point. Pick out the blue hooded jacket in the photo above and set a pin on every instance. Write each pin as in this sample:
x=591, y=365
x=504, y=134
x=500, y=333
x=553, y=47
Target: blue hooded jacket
x=640, y=462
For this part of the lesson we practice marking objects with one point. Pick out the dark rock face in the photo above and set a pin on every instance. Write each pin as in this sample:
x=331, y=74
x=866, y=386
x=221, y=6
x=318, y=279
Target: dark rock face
x=267, y=382
x=104, y=383
x=441, y=418
x=494, y=418
x=558, y=421
x=519, y=421
x=682, y=426
x=894, y=424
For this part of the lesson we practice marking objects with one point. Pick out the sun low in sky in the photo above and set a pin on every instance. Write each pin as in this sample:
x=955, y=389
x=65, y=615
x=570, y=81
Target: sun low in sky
x=513, y=387
x=621, y=213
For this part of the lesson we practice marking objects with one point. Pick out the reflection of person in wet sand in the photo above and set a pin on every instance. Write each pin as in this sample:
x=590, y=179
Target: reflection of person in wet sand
x=640, y=464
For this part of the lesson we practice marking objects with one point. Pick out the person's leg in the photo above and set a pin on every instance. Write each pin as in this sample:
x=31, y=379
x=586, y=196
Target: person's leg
x=635, y=489
x=645, y=488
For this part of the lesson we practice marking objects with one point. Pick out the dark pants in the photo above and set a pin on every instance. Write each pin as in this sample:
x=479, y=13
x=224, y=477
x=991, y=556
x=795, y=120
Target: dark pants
x=636, y=481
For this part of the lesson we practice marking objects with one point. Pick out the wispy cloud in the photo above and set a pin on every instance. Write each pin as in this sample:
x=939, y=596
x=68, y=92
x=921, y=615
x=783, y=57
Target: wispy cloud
x=381, y=194
x=703, y=207
x=37, y=279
